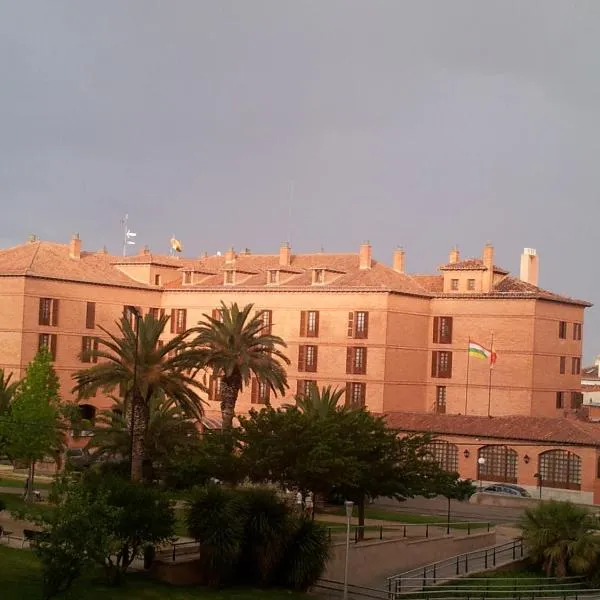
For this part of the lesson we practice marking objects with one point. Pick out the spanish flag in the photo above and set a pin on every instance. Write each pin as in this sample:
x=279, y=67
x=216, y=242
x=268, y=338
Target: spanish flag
x=176, y=245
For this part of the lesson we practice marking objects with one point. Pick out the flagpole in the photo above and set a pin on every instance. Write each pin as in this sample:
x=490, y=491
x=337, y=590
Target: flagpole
x=490, y=379
x=467, y=383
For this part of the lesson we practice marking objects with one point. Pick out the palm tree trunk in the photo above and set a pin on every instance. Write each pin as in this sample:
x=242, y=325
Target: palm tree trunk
x=230, y=388
x=139, y=426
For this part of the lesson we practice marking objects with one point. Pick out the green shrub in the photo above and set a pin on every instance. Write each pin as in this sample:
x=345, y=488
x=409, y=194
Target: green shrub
x=2, y=505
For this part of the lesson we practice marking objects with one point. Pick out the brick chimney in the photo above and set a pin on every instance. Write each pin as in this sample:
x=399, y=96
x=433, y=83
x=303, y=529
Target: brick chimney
x=488, y=263
x=75, y=247
x=31, y=238
x=145, y=251
x=285, y=255
x=399, y=260
x=365, y=255
x=454, y=256
x=529, y=266
x=230, y=256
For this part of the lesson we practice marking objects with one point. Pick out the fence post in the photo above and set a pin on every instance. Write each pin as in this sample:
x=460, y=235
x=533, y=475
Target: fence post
x=381, y=532
x=466, y=563
x=173, y=552
x=434, y=574
x=398, y=585
x=521, y=547
x=486, y=560
x=494, y=563
x=427, y=530
x=424, y=579
x=405, y=531
x=488, y=527
x=458, y=565
x=469, y=528
x=514, y=550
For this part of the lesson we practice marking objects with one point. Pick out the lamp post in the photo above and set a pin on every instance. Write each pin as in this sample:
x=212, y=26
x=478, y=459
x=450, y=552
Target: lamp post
x=138, y=317
x=349, y=506
x=538, y=476
x=481, y=462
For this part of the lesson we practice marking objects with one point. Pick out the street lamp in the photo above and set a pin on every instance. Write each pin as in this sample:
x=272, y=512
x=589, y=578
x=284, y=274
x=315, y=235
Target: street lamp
x=481, y=462
x=349, y=506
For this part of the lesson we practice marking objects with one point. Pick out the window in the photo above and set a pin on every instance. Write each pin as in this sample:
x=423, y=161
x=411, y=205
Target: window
x=187, y=277
x=454, y=285
x=356, y=393
x=471, y=285
x=214, y=388
x=560, y=469
x=304, y=386
x=560, y=399
x=132, y=313
x=266, y=316
x=157, y=279
x=48, y=341
x=500, y=464
x=598, y=468
x=356, y=360
x=444, y=454
x=260, y=392
x=319, y=276
x=309, y=323
x=90, y=315
x=88, y=413
x=577, y=331
x=440, y=399
x=575, y=365
x=563, y=365
x=442, y=330
x=576, y=399
x=89, y=345
x=273, y=277
x=229, y=277
x=48, y=311
x=178, y=319
x=441, y=364
x=562, y=330
x=156, y=313
x=307, y=358
x=217, y=314
x=358, y=325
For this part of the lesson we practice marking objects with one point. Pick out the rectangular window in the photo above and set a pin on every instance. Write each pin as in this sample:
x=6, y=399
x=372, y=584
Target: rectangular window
x=442, y=330
x=441, y=364
x=178, y=320
x=273, y=276
x=229, y=277
x=260, y=392
x=576, y=399
x=358, y=325
x=319, y=276
x=132, y=313
x=577, y=331
x=48, y=312
x=187, y=277
x=562, y=330
x=356, y=393
x=90, y=315
x=267, y=318
x=309, y=323
x=356, y=360
x=307, y=358
x=563, y=365
x=48, y=340
x=214, y=389
x=471, y=285
x=560, y=399
x=157, y=279
x=88, y=344
x=156, y=313
x=575, y=365
x=454, y=285
x=217, y=314
x=440, y=399
x=303, y=387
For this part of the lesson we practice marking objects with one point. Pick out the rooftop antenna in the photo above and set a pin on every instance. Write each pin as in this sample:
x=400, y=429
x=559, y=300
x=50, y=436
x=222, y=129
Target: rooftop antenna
x=127, y=234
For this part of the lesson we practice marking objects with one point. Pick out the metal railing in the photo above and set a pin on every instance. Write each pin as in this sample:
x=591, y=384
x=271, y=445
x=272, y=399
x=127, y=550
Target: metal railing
x=404, y=530
x=455, y=566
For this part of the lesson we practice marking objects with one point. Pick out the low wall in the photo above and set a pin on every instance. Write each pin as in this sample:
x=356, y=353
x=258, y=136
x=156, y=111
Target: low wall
x=371, y=562
x=183, y=572
x=486, y=499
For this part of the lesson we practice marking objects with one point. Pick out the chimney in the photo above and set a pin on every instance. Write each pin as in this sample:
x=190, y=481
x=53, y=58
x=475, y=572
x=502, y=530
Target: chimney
x=488, y=263
x=31, y=238
x=529, y=266
x=230, y=256
x=365, y=255
x=145, y=251
x=285, y=255
x=75, y=247
x=398, y=262
x=454, y=256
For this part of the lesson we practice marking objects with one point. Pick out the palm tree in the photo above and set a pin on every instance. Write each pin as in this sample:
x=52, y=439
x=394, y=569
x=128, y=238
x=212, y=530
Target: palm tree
x=236, y=347
x=561, y=537
x=320, y=402
x=136, y=361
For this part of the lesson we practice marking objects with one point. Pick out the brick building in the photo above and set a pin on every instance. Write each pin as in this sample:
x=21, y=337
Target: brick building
x=397, y=342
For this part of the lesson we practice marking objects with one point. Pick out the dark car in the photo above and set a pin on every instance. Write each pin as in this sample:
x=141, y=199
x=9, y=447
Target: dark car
x=507, y=489
x=78, y=458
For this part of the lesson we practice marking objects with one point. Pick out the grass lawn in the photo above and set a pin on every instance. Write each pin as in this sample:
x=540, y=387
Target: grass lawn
x=8, y=482
x=15, y=502
x=20, y=580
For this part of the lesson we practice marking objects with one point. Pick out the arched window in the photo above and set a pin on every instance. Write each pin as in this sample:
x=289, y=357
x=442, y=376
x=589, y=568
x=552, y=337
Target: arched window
x=500, y=464
x=444, y=454
x=560, y=469
x=88, y=412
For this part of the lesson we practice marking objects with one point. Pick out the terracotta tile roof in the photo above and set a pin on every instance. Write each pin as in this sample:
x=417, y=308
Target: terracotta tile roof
x=524, y=428
x=471, y=264
x=590, y=388
x=590, y=372
x=160, y=260
x=514, y=287
x=430, y=283
x=51, y=260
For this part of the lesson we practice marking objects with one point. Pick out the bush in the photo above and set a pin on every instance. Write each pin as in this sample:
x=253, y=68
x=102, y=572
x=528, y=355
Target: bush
x=2, y=505
x=251, y=536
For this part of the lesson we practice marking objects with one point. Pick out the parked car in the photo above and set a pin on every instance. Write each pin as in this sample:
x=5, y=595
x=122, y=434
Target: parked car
x=77, y=458
x=507, y=489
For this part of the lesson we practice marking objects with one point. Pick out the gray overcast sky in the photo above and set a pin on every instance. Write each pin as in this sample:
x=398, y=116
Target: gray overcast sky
x=420, y=123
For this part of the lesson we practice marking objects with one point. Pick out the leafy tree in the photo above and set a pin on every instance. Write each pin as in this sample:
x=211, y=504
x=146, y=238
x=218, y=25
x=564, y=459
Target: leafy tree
x=8, y=389
x=236, y=347
x=33, y=429
x=561, y=538
x=320, y=401
x=167, y=369
x=452, y=488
